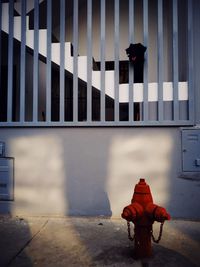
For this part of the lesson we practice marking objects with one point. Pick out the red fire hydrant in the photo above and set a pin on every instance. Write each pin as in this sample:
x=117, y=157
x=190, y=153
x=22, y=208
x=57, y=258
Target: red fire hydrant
x=142, y=212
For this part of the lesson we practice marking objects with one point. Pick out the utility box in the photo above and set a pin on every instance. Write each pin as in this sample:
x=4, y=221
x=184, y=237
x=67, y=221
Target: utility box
x=191, y=150
x=7, y=178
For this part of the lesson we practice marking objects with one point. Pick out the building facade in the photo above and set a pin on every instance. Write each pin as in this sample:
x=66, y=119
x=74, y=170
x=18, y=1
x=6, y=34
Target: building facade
x=77, y=127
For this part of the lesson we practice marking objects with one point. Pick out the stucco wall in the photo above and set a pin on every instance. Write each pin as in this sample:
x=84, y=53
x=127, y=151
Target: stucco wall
x=92, y=171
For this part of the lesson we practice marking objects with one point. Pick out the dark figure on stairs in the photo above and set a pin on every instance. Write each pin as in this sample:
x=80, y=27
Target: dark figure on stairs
x=135, y=52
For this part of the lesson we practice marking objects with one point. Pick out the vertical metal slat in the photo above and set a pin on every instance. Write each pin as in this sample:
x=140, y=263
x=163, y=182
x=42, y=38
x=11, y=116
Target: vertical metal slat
x=62, y=59
x=75, y=61
x=190, y=62
x=36, y=61
x=89, y=59
x=0, y=40
x=131, y=80
x=145, y=87
x=103, y=22
x=160, y=60
x=175, y=62
x=116, y=44
x=48, y=68
x=23, y=61
x=10, y=62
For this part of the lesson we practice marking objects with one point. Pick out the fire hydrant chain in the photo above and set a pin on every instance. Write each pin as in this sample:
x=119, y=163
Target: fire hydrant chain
x=142, y=212
x=129, y=232
x=160, y=234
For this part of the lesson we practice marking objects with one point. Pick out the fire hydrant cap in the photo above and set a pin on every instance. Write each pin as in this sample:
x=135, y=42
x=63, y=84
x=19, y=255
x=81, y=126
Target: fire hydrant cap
x=142, y=187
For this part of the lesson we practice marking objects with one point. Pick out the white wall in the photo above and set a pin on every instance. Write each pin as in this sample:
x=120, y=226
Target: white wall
x=92, y=171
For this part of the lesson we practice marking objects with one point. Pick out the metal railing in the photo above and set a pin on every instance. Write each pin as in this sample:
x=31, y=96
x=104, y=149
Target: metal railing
x=18, y=100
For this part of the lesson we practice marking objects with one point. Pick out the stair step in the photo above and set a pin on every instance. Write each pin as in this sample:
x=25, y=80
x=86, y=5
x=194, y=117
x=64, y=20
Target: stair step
x=82, y=66
x=29, y=6
x=96, y=79
x=5, y=17
x=42, y=45
x=17, y=28
x=153, y=92
x=69, y=64
x=56, y=49
x=110, y=83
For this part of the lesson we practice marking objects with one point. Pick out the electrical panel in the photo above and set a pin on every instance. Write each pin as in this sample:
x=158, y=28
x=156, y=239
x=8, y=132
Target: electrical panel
x=191, y=150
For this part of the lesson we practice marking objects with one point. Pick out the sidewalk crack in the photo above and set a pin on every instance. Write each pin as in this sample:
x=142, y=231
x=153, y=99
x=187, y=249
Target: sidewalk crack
x=27, y=243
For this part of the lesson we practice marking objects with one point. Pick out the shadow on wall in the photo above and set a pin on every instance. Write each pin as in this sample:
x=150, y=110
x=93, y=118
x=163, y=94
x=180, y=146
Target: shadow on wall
x=61, y=173
x=103, y=166
x=85, y=159
x=94, y=171
x=139, y=154
x=154, y=154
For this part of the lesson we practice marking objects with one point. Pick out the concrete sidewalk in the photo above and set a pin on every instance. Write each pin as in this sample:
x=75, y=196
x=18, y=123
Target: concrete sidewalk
x=66, y=242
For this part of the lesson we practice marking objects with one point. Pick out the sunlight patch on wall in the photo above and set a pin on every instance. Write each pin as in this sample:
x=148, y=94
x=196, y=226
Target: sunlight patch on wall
x=139, y=156
x=40, y=173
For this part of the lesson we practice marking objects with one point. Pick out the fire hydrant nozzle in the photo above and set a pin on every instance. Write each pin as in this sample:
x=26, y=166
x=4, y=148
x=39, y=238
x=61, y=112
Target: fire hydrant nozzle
x=143, y=212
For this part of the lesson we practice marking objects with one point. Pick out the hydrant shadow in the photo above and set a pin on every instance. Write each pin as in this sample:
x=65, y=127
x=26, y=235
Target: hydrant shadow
x=105, y=243
x=118, y=256
x=144, y=264
x=163, y=256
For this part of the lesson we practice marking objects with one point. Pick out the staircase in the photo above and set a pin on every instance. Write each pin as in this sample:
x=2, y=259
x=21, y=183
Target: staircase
x=82, y=66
